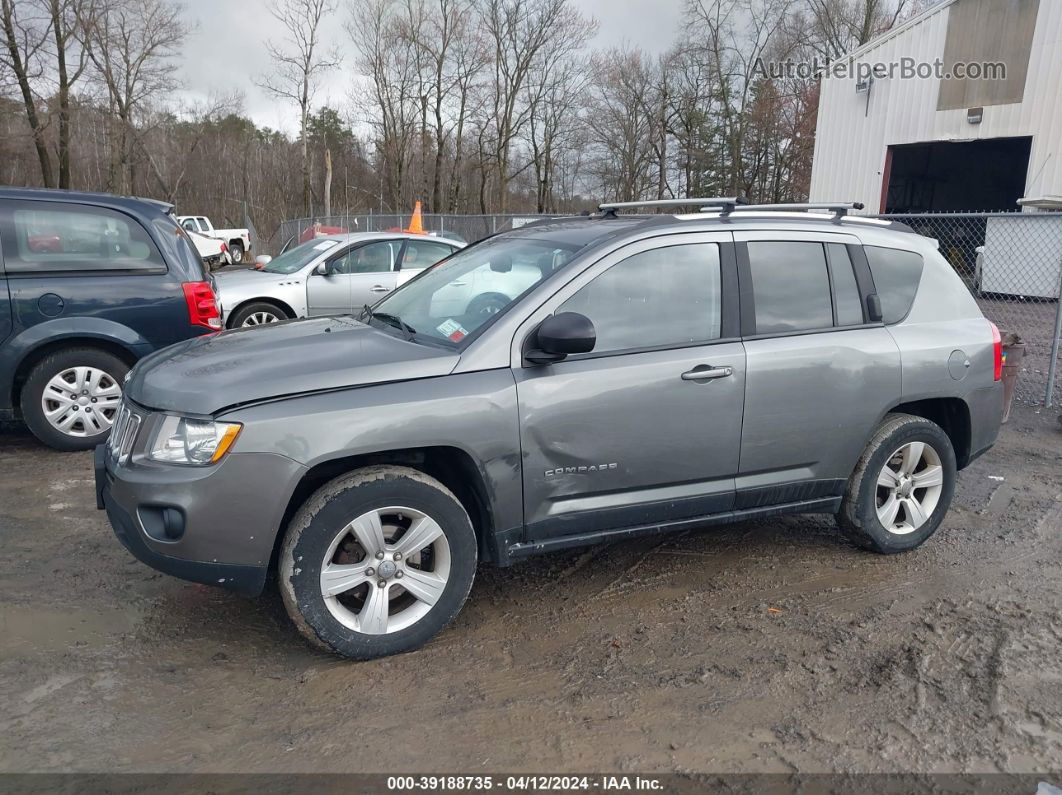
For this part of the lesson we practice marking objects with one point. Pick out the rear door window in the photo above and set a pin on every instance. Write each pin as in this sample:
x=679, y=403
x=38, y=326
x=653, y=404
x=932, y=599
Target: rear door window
x=53, y=237
x=422, y=253
x=896, y=276
x=790, y=286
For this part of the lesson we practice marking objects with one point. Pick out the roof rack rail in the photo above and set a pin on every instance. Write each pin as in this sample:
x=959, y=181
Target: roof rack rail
x=724, y=204
x=839, y=209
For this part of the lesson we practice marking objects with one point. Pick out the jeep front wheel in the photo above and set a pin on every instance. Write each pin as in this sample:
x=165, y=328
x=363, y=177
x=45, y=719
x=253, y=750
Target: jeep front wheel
x=377, y=562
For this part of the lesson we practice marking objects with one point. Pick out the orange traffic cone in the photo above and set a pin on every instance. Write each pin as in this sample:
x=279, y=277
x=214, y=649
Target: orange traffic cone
x=416, y=226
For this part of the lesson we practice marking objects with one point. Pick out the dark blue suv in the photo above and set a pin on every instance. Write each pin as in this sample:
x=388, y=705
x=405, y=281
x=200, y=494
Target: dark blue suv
x=89, y=283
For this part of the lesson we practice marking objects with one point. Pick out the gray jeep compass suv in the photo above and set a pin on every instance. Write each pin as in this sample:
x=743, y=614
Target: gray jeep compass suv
x=639, y=374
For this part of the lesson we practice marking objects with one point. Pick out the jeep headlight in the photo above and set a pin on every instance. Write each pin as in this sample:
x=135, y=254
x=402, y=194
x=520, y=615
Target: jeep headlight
x=183, y=440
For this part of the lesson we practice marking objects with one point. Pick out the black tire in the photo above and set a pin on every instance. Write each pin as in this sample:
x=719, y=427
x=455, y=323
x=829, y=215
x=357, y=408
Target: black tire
x=51, y=366
x=327, y=512
x=236, y=252
x=858, y=517
x=487, y=305
x=254, y=309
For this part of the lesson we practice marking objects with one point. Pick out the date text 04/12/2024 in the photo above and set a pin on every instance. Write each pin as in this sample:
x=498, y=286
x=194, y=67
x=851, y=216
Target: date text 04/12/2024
x=543, y=783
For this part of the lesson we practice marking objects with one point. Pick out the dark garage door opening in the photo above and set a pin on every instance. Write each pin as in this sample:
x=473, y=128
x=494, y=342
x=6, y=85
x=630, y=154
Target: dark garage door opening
x=970, y=176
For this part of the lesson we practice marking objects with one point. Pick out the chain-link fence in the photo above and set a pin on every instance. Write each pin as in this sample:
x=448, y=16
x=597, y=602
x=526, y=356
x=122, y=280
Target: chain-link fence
x=463, y=227
x=1012, y=263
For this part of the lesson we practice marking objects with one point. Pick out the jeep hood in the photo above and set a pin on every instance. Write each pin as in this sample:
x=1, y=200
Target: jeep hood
x=207, y=374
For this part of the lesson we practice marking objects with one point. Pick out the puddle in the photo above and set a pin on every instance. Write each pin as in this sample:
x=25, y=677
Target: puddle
x=27, y=630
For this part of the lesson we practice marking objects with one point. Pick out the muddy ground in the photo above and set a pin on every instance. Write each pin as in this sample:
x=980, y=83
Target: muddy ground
x=765, y=646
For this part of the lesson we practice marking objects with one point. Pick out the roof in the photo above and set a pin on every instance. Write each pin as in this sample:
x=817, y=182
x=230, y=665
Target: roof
x=343, y=237
x=581, y=231
x=1042, y=202
x=86, y=197
x=899, y=30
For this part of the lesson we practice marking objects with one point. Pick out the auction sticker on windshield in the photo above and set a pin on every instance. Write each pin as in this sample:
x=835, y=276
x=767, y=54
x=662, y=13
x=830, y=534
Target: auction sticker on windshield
x=452, y=330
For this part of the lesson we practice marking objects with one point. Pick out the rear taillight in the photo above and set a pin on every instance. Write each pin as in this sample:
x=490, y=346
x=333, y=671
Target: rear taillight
x=202, y=305
x=224, y=248
x=997, y=353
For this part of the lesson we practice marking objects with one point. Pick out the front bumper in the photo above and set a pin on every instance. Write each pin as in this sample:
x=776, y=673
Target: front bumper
x=226, y=517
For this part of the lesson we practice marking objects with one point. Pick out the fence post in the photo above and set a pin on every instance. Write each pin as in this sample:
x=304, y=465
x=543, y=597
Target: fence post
x=1052, y=365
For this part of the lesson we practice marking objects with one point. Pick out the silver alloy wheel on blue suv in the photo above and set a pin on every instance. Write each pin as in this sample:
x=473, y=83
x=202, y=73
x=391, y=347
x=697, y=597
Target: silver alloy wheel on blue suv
x=71, y=397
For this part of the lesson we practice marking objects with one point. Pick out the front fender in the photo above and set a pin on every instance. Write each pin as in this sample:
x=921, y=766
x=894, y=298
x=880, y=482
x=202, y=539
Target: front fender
x=291, y=293
x=475, y=413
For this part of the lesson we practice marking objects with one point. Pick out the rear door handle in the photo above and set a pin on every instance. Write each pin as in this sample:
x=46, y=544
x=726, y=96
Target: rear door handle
x=705, y=373
x=378, y=288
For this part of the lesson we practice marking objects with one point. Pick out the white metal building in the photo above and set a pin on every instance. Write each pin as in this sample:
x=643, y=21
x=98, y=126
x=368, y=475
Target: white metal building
x=932, y=144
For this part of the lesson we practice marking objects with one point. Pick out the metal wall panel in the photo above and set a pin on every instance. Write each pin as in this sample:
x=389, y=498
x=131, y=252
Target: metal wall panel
x=853, y=136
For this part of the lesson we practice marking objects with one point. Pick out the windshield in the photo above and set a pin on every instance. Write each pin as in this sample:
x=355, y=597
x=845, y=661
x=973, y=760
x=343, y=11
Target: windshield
x=456, y=297
x=299, y=257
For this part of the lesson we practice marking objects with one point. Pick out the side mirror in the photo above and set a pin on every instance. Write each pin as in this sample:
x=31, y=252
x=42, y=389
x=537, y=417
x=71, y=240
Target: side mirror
x=261, y=261
x=561, y=335
x=322, y=269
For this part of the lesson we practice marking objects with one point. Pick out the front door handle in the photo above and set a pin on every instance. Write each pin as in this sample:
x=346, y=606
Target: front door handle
x=705, y=373
x=378, y=288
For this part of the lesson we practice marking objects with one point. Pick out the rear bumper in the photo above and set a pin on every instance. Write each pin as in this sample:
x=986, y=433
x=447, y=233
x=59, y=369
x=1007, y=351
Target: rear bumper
x=214, y=525
x=986, y=415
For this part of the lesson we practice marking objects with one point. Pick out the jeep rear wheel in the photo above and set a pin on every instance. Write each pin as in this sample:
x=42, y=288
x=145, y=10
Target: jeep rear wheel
x=377, y=562
x=902, y=486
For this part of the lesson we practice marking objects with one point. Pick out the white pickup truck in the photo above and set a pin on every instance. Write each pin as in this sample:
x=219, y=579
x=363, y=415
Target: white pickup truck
x=237, y=240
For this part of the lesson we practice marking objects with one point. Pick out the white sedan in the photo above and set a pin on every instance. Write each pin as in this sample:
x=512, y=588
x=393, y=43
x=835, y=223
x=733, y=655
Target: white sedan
x=333, y=275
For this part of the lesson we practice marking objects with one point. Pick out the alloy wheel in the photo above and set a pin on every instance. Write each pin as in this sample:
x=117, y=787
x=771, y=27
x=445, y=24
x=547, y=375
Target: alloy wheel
x=260, y=318
x=385, y=570
x=909, y=486
x=81, y=401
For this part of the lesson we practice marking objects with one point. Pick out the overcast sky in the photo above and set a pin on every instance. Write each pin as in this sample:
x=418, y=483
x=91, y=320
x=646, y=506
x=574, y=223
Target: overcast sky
x=226, y=53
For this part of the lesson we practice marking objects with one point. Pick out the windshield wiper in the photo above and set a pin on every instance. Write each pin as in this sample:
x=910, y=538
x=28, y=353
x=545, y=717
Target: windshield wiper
x=391, y=320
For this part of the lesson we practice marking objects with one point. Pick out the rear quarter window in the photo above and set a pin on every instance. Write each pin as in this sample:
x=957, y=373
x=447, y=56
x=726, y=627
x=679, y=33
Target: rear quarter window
x=896, y=276
x=55, y=238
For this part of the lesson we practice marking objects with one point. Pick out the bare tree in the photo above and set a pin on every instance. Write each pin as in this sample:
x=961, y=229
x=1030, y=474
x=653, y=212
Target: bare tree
x=386, y=56
x=300, y=59
x=450, y=55
x=169, y=164
x=736, y=35
x=26, y=32
x=521, y=34
x=624, y=128
x=834, y=27
x=130, y=43
x=71, y=59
